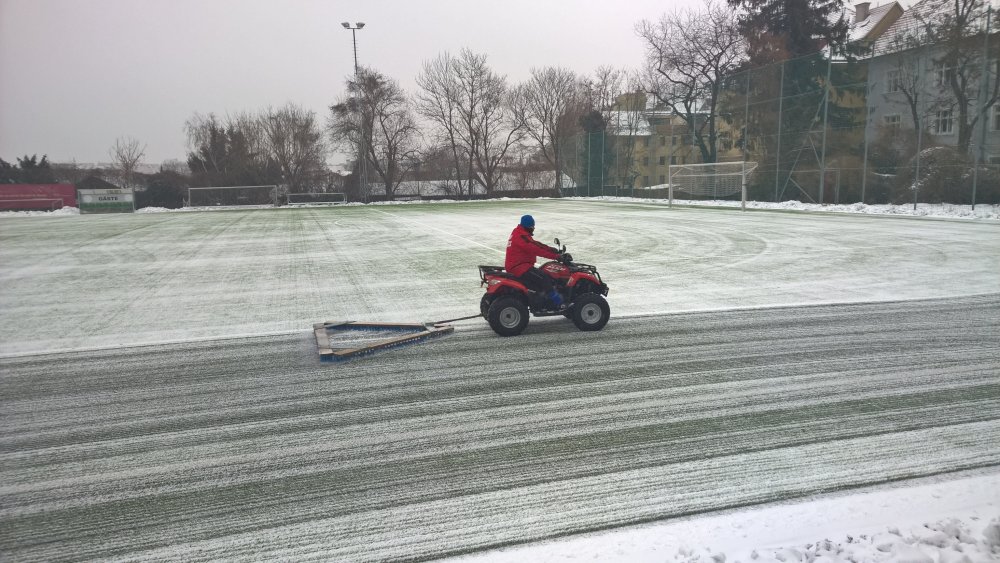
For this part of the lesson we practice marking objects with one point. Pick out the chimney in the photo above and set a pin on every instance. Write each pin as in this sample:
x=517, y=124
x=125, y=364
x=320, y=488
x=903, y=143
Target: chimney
x=861, y=11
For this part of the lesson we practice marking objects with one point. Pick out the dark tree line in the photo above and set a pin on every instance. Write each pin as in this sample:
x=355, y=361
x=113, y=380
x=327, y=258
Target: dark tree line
x=27, y=170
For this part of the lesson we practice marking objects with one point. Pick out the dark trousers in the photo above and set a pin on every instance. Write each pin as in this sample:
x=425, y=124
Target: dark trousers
x=536, y=280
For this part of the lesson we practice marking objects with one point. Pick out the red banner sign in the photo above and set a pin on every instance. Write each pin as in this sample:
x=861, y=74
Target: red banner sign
x=46, y=197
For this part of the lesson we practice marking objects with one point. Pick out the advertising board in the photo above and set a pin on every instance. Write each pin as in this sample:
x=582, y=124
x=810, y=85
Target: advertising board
x=107, y=201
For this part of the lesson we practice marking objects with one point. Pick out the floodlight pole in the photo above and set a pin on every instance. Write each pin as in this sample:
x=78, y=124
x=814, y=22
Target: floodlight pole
x=354, y=39
x=363, y=164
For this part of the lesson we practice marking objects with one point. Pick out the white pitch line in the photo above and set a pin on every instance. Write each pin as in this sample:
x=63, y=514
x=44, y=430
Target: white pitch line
x=441, y=230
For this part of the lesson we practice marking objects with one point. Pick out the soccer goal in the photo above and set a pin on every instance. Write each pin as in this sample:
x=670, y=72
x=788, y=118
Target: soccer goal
x=233, y=196
x=316, y=198
x=716, y=179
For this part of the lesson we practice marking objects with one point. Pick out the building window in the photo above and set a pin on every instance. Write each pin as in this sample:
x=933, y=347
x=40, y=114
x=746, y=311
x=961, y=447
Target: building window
x=663, y=160
x=645, y=161
x=645, y=181
x=673, y=160
x=663, y=141
x=996, y=117
x=893, y=81
x=645, y=141
x=673, y=141
x=663, y=179
x=942, y=74
x=942, y=122
x=892, y=121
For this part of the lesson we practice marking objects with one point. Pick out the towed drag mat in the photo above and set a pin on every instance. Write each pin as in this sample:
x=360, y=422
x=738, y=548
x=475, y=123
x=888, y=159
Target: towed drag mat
x=342, y=340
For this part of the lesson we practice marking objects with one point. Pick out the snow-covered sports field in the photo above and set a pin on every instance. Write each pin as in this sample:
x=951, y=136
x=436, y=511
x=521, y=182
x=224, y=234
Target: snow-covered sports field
x=161, y=396
x=91, y=281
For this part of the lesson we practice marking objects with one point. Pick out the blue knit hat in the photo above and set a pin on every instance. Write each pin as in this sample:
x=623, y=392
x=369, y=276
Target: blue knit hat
x=527, y=221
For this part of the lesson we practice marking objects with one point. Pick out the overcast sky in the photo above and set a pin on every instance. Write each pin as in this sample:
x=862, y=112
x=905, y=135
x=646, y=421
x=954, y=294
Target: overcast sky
x=77, y=74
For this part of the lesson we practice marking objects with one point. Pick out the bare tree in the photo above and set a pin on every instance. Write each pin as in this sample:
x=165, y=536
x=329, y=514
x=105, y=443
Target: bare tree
x=250, y=146
x=470, y=107
x=126, y=155
x=618, y=96
x=938, y=65
x=905, y=79
x=438, y=102
x=957, y=27
x=295, y=143
x=689, y=54
x=548, y=104
x=376, y=116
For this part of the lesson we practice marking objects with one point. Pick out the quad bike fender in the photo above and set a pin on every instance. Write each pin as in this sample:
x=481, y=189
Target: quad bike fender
x=497, y=285
x=577, y=277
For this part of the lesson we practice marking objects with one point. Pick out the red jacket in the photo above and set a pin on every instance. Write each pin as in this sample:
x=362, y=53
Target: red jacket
x=522, y=250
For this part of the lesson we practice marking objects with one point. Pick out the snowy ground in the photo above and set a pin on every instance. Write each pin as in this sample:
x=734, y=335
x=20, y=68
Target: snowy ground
x=928, y=521
x=752, y=358
x=150, y=278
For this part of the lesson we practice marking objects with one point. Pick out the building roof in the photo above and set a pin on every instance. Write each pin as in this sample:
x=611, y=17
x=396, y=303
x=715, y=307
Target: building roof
x=626, y=123
x=909, y=30
x=95, y=183
x=868, y=28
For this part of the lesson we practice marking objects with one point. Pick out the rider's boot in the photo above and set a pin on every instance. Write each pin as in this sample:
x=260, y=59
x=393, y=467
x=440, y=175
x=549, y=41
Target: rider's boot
x=555, y=299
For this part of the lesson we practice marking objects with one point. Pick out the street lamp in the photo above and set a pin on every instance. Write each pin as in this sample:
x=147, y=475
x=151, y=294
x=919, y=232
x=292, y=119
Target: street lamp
x=363, y=151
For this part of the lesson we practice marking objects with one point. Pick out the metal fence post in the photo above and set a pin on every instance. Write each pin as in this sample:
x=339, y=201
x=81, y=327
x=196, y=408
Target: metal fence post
x=864, y=162
x=781, y=103
x=920, y=132
x=826, y=108
x=746, y=143
x=984, y=79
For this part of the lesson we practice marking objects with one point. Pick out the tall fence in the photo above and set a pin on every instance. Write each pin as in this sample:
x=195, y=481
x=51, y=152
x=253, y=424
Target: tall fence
x=901, y=126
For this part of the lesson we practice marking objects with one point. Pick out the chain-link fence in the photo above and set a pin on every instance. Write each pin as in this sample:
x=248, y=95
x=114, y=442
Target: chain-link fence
x=902, y=125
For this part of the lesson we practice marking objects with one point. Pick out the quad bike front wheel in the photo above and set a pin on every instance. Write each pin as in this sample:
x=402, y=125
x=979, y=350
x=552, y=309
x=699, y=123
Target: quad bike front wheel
x=508, y=316
x=590, y=312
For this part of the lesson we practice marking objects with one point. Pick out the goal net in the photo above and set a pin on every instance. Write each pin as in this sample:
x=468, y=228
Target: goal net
x=717, y=179
x=316, y=198
x=232, y=196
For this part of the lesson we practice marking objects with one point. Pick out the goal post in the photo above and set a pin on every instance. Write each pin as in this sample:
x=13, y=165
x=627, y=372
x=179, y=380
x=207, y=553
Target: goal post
x=316, y=198
x=716, y=179
x=232, y=196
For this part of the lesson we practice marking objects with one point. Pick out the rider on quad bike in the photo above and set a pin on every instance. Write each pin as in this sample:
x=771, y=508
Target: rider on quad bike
x=560, y=287
x=522, y=250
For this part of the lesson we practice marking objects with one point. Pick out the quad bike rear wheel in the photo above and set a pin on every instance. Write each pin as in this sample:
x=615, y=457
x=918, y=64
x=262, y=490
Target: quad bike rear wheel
x=484, y=304
x=591, y=312
x=508, y=316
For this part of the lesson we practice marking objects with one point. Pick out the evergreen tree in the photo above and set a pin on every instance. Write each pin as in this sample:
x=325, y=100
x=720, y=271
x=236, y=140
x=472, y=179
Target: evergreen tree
x=34, y=171
x=778, y=30
x=9, y=173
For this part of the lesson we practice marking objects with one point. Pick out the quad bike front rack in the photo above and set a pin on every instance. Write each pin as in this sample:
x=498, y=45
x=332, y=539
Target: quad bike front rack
x=342, y=340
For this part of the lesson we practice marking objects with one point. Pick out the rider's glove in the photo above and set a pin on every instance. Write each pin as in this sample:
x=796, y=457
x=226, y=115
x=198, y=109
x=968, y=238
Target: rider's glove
x=566, y=257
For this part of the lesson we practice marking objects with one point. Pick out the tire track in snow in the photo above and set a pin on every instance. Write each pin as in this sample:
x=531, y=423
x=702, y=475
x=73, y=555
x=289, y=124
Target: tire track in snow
x=253, y=449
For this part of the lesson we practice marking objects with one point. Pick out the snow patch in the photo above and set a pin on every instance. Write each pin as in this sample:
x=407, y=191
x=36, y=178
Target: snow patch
x=61, y=212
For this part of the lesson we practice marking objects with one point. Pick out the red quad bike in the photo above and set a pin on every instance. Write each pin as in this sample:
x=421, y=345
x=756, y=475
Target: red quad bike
x=507, y=301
